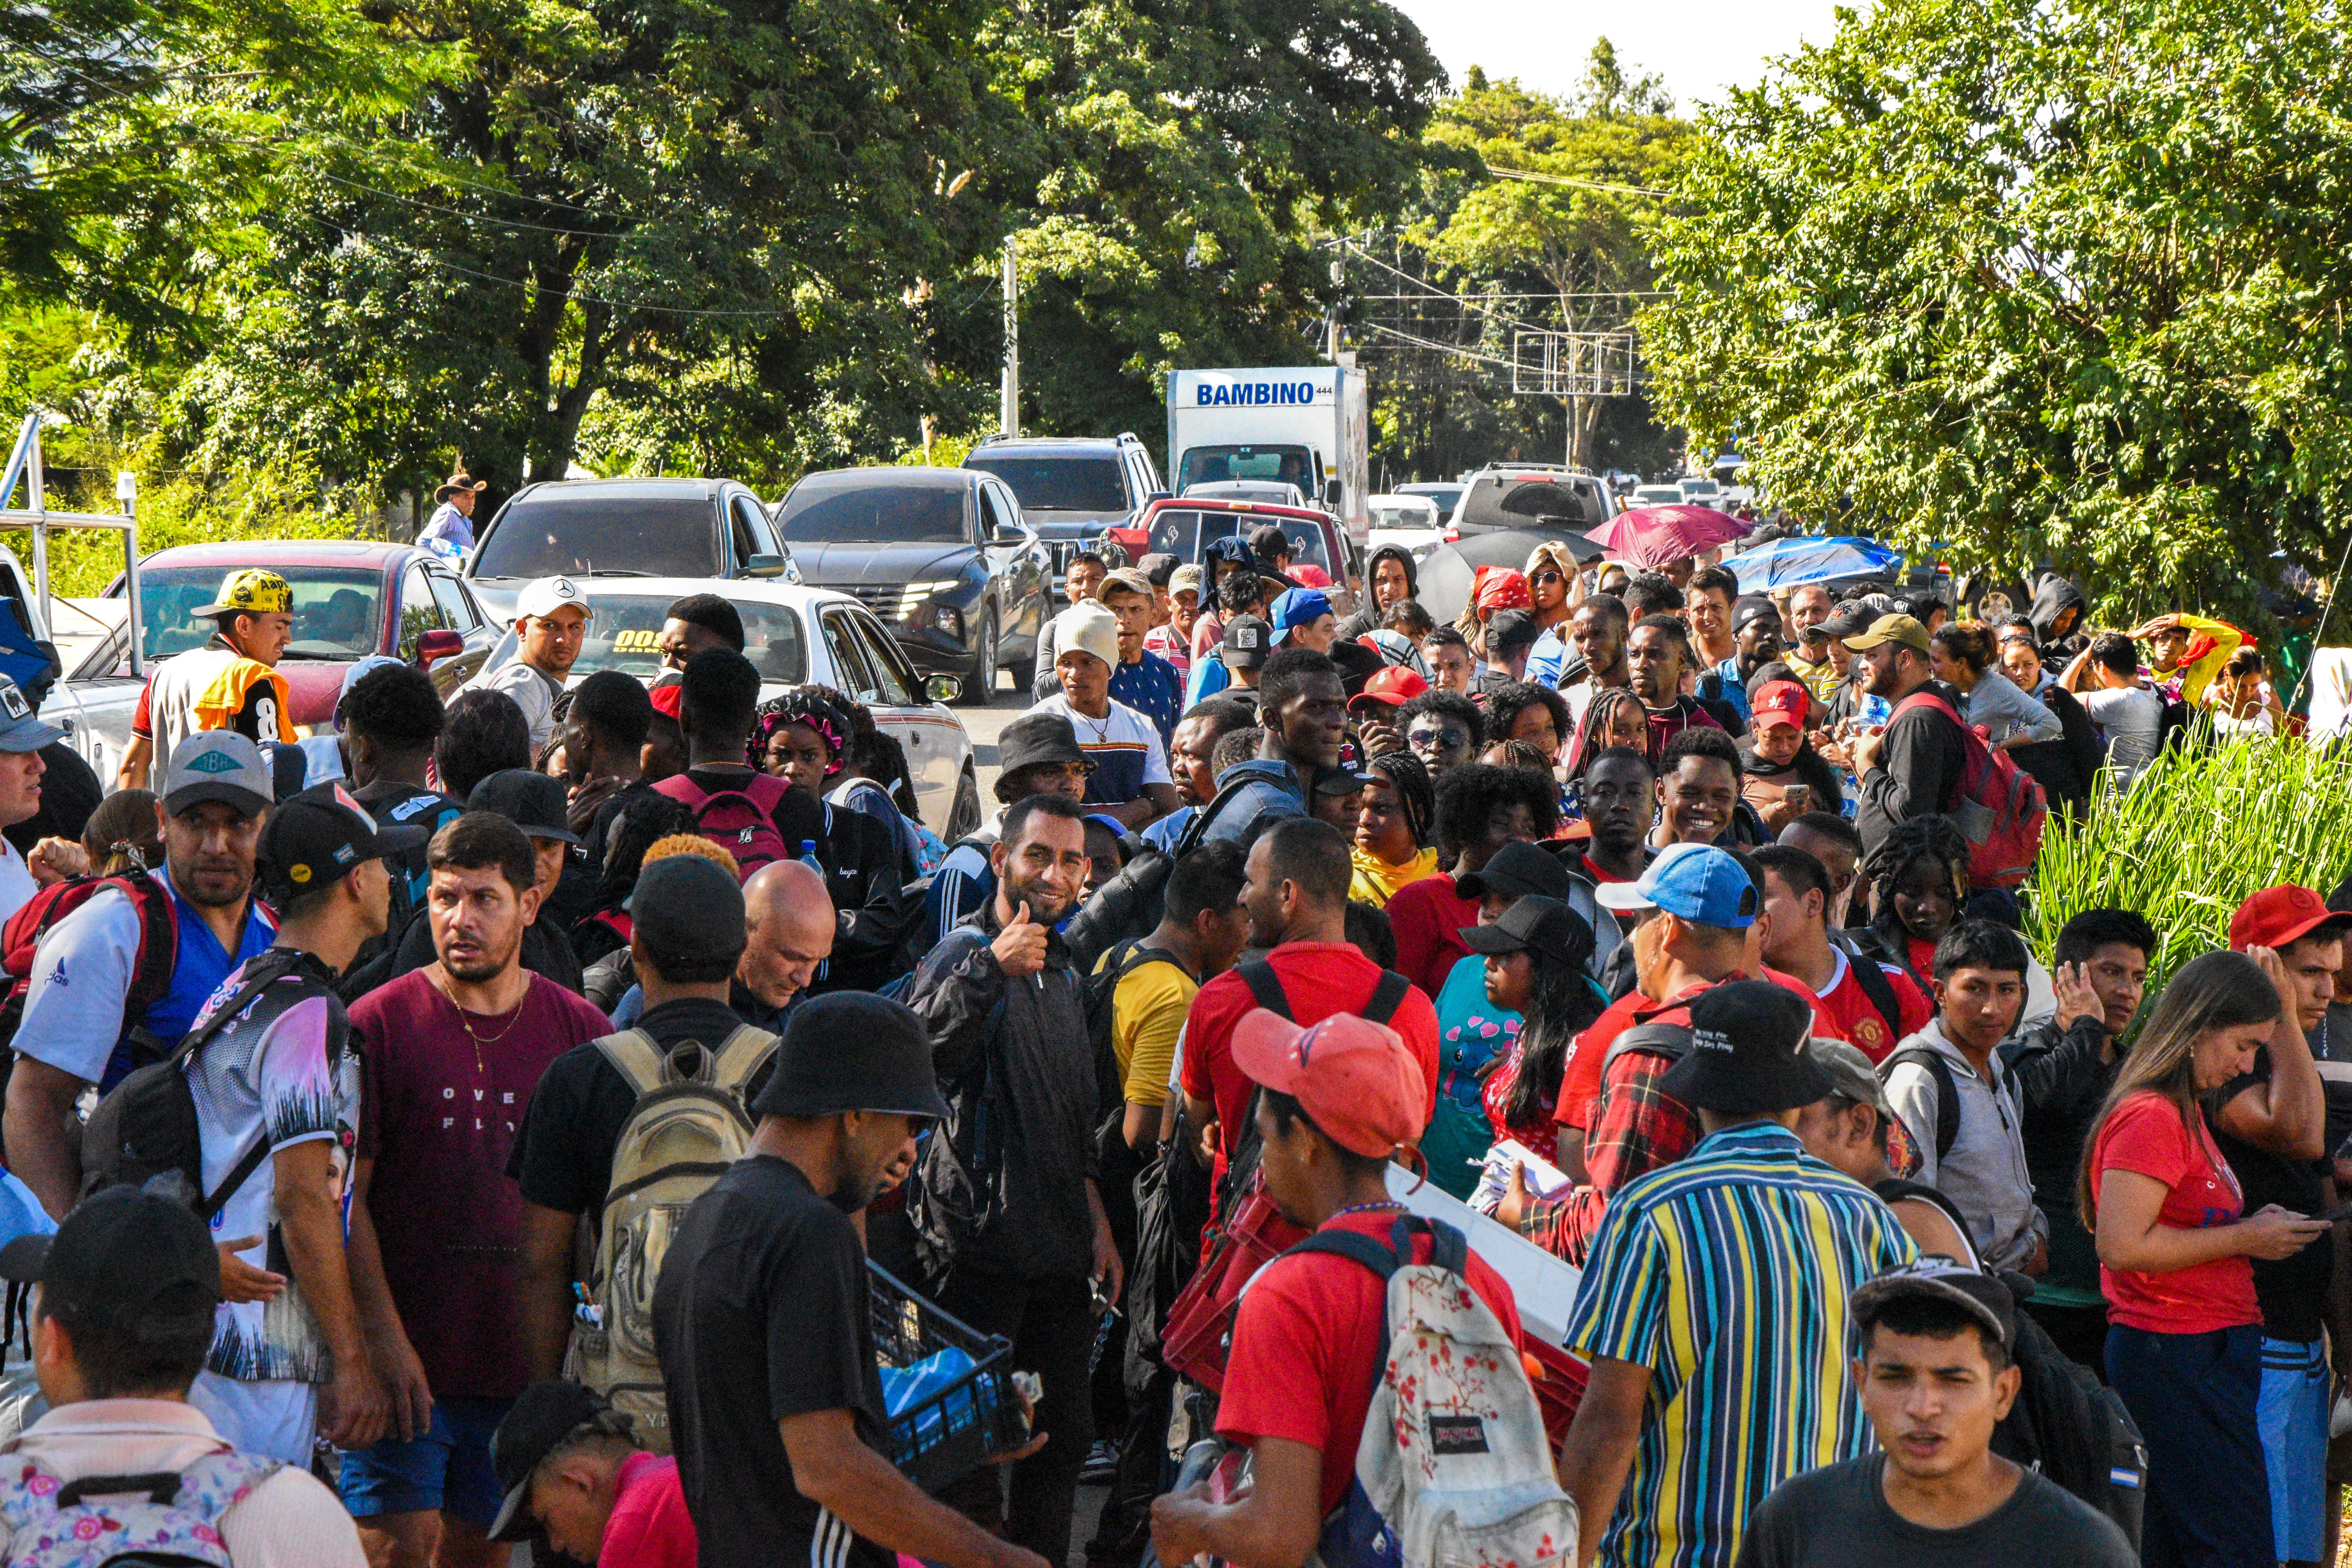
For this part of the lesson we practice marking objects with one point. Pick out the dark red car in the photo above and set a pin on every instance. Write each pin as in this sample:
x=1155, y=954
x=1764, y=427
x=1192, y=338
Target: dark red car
x=1185, y=526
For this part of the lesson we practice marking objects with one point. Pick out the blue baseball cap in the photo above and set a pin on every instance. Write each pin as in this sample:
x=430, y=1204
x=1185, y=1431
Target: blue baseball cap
x=1296, y=607
x=1694, y=882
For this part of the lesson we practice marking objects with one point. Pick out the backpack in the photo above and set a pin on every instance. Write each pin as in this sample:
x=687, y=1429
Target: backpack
x=2074, y=1429
x=688, y=1126
x=743, y=820
x=1453, y=1466
x=1947, y=1093
x=146, y=1126
x=1265, y=987
x=103, y=1521
x=150, y=967
x=2000, y=810
x=1874, y=983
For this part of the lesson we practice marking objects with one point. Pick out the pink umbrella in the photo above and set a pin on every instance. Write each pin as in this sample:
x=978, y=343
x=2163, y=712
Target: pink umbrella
x=1654, y=536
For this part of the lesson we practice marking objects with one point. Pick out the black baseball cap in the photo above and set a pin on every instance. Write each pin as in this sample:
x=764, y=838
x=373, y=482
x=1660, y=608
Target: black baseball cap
x=1343, y=780
x=685, y=906
x=1849, y=620
x=1746, y=1054
x=322, y=833
x=1507, y=630
x=853, y=1050
x=1516, y=869
x=1752, y=607
x=1037, y=738
x=541, y=1416
x=1533, y=925
x=137, y=1262
x=1247, y=640
x=532, y=801
x=1981, y=1296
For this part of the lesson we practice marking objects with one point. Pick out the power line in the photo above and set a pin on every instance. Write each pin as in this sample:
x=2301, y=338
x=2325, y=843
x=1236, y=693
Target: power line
x=362, y=235
x=469, y=217
x=1571, y=179
x=1452, y=350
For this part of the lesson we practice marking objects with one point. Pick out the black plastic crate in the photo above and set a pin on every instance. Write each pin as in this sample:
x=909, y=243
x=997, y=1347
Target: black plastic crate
x=942, y=1436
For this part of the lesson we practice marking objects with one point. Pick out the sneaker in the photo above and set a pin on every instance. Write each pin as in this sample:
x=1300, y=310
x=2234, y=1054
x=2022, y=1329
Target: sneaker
x=1102, y=1461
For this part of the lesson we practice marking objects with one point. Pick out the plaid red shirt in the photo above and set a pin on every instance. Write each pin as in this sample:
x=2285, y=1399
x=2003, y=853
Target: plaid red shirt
x=1637, y=1129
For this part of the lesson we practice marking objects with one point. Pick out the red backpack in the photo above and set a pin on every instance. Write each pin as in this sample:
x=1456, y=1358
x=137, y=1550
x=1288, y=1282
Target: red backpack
x=1999, y=807
x=743, y=820
x=159, y=939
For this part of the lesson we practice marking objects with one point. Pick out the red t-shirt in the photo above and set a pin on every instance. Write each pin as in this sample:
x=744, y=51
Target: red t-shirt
x=1860, y=1021
x=1579, y=1085
x=439, y=1109
x=1305, y=1345
x=1598, y=873
x=1923, y=956
x=1427, y=918
x=2145, y=1135
x=1320, y=978
x=648, y=1527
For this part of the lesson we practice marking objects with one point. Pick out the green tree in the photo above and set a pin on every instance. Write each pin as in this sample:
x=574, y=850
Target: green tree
x=2059, y=281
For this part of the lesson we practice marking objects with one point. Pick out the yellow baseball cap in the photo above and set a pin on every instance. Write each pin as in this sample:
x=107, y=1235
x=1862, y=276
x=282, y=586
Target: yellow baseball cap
x=253, y=592
x=1903, y=629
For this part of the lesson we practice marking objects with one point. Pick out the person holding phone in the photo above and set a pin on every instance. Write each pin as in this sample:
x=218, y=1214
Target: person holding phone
x=1780, y=774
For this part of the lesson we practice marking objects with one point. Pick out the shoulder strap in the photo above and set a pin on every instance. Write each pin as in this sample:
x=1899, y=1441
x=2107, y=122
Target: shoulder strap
x=1387, y=997
x=1350, y=1243
x=1671, y=1041
x=635, y=1057
x=1266, y=986
x=1947, y=1095
x=740, y=1058
x=1879, y=989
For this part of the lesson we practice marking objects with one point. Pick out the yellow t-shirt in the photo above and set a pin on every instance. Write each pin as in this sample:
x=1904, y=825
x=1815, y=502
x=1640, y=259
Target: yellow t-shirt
x=1376, y=881
x=1147, y=1015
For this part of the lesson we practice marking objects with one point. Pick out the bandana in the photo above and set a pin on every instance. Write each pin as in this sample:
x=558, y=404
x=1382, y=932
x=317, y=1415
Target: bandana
x=820, y=713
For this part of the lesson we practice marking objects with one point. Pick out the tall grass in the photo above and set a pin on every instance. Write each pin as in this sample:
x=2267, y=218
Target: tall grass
x=2195, y=835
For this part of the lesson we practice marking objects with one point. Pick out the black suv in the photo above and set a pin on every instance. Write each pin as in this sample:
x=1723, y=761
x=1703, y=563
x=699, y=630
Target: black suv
x=1073, y=488
x=623, y=527
x=942, y=555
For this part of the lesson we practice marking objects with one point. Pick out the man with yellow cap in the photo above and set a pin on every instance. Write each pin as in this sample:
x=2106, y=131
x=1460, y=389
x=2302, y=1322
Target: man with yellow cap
x=230, y=683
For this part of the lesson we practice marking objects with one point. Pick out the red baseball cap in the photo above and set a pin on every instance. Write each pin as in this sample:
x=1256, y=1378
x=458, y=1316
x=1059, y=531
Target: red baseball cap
x=666, y=697
x=1780, y=703
x=1354, y=1078
x=2277, y=916
x=1395, y=687
x=1502, y=588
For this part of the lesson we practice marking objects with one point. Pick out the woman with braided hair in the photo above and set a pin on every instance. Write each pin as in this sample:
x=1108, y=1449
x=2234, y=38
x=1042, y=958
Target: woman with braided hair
x=1395, y=826
x=827, y=744
x=1919, y=881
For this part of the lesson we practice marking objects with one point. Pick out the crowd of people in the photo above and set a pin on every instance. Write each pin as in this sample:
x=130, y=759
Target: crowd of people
x=502, y=1113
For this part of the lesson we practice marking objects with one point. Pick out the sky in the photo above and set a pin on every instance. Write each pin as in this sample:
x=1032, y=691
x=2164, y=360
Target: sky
x=1700, y=47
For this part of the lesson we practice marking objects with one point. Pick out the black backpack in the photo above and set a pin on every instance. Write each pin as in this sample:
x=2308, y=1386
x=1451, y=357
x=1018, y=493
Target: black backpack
x=1874, y=983
x=2073, y=1429
x=146, y=1126
x=1947, y=1093
x=1132, y=904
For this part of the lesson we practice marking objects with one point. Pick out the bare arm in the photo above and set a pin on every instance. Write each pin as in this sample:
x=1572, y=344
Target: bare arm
x=43, y=1149
x=1142, y=1125
x=543, y=1281
x=136, y=756
x=395, y=1359
x=1156, y=802
x=311, y=1220
x=1932, y=1229
x=2071, y=676
x=833, y=1469
x=1274, y=1523
x=1598, y=1451
x=2131, y=1238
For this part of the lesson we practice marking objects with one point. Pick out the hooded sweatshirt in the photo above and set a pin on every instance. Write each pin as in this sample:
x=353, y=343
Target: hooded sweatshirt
x=1984, y=1172
x=2054, y=598
x=1366, y=618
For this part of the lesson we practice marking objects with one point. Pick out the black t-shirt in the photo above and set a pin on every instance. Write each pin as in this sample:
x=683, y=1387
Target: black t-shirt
x=1839, y=1517
x=562, y=1155
x=398, y=804
x=2292, y=1291
x=761, y=1314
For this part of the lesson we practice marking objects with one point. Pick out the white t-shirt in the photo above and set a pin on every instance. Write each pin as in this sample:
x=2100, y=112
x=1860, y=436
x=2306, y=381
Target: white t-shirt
x=1124, y=746
x=16, y=884
x=533, y=689
x=2131, y=718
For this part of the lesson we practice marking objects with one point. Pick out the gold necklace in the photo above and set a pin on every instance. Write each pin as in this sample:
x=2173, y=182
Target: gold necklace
x=465, y=1023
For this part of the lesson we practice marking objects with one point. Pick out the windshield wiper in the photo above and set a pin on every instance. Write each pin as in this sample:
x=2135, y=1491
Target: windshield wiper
x=304, y=653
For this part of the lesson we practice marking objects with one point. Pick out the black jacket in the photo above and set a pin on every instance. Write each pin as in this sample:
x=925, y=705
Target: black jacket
x=1918, y=773
x=875, y=917
x=1002, y=1186
x=1366, y=618
x=2059, y=1083
x=2065, y=768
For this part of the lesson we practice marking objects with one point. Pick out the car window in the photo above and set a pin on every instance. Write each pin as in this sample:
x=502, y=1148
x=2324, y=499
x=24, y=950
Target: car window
x=849, y=668
x=1184, y=535
x=625, y=634
x=854, y=507
x=546, y=533
x=456, y=610
x=1064, y=483
x=893, y=676
x=419, y=612
x=1290, y=465
x=746, y=540
x=1518, y=500
x=338, y=611
x=1002, y=514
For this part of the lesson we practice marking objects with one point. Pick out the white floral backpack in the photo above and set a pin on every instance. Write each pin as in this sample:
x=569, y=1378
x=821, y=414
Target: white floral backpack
x=168, y=1519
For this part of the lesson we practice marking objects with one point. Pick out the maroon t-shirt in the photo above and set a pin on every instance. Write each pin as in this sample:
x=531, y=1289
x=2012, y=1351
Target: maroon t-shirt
x=438, y=1115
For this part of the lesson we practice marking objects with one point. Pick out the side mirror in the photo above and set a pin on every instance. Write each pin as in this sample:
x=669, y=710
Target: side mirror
x=765, y=565
x=439, y=643
x=943, y=687
x=1332, y=492
x=1008, y=533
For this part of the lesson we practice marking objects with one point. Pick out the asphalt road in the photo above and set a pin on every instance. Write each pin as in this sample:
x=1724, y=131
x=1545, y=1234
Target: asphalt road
x=984, y=725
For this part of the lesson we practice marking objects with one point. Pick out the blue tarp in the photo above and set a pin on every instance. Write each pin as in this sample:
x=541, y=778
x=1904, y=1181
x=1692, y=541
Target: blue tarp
x=1785, y=562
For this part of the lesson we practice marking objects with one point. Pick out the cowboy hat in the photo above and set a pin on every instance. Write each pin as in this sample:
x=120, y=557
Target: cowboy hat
x=460, y=480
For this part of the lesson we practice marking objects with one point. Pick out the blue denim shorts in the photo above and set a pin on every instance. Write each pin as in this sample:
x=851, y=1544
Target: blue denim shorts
x=445, y=1468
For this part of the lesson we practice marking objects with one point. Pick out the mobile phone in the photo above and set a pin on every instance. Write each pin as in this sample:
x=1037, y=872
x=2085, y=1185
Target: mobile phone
x=1799, y=797
x=2341, y=1211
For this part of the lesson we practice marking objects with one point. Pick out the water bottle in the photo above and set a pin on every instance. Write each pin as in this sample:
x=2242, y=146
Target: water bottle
x=808, y=857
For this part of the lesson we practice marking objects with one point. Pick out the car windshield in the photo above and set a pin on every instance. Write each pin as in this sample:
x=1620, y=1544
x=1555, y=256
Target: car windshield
x=1700, y=487
x=549, y=533
x=1561, y=500
x=1444, y=495
x=625, y=634
x=1206, y=465
x=1398, y=514
x=1184, y=535
x=1058, y=484
x=338, y=611
x=1657, y=495
x=857, y=507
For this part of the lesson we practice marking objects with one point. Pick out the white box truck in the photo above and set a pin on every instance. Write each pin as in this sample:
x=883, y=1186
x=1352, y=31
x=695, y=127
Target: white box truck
x=1309, y=426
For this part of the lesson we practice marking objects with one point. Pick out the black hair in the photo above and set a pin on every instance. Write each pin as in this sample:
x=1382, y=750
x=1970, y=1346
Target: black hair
x=1560, y=1006
x=1269, y=543
x=1609, y=607
x=1018, y=814
x=1209, y=877
x=1802, y=872
x=1675, y=629
x=645, y=816
x=1162, y=570
x=1287, y=1111
x=485, y=734
x=1920, y=605
x=1411, y=617
x=1369, y=932
x=1445, y=705
x=1830, y=825
x=1224, y=714
x=1971, y=642
x=712, y=613
x=1651, y=593
x=483, y=840
x=1238, y=590
x=1924, y=1317
x=718, y=692
x=1936, y=839
x=1235, y=746
x=1313, y=855
x=395, y=706
x=1700, y=740
x=2116, y=652
x=1712, y=579
x=1622, y=754
x=1285, y=675
x=1444, y=636
x=2095, y=929
x=1980, y=945
x=615, y=706
x=1469, y=796
x=159, y=1354
x=1408, y=776
x=1506, y=702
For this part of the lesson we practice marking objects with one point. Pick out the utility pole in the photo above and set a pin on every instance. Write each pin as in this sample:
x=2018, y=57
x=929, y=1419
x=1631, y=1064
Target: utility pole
x=1008, y=399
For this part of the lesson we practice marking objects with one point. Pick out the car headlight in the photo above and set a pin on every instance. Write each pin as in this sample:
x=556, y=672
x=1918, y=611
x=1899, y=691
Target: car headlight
x=912, y=598
x=950, y=620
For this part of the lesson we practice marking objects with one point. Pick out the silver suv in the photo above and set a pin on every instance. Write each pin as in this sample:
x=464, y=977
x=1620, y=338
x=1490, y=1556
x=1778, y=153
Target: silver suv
x=1526, y=495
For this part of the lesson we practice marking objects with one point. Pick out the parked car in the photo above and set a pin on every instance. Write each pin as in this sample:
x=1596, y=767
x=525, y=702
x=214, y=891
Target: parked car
x=1701, y=492
x=1657, y=495
x=1272, y=492
x=1185, y=528
x=1072, y=488
x=1511, y=496
x=794, y=635
x=352, y=598
x=943, y=556
x=623, y=527
x=1446, y=493
x=1404, y=511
